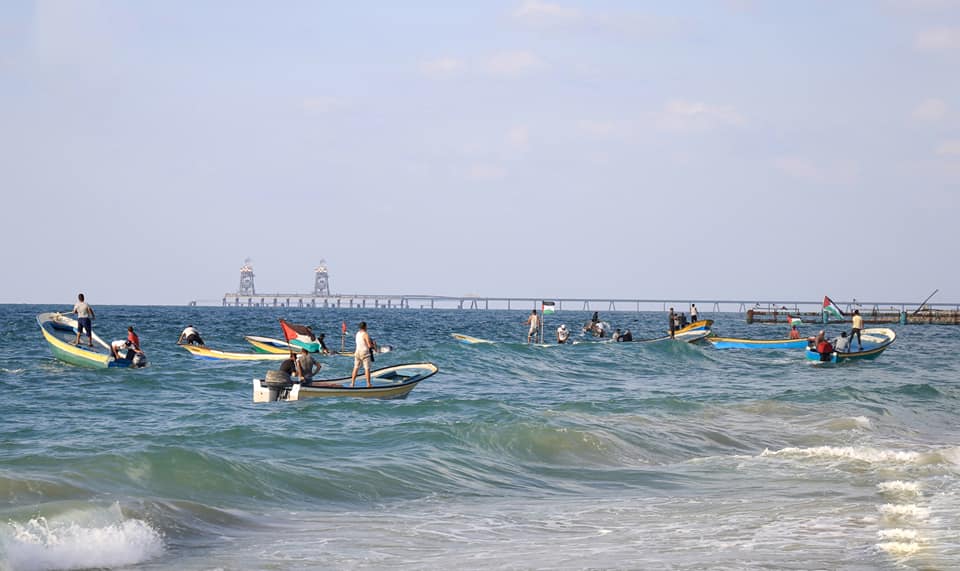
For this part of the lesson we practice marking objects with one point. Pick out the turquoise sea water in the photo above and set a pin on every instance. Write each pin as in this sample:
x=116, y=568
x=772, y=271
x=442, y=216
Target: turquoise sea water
x=627, y=456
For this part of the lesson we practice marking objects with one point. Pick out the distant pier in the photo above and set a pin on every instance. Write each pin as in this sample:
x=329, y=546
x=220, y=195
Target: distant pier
x=774, y=311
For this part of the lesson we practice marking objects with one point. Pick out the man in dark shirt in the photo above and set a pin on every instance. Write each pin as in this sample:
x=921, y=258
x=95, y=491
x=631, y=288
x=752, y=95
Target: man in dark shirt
x=289, y=366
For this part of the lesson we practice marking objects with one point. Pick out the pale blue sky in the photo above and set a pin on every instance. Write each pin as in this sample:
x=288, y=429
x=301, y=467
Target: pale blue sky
x=725, y=149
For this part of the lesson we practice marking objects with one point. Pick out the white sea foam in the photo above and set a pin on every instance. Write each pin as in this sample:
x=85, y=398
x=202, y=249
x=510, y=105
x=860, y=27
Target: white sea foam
x=862, y=454
x=78, y=543
x=904, y=512
x=899, y=488
x=897, y=534
x=899, y=548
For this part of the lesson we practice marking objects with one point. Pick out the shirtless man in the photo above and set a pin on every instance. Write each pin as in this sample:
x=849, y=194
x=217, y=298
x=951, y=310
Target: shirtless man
x=534, y=322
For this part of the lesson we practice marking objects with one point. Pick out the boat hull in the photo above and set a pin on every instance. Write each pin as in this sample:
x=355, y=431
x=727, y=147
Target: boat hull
x=694, y=331
x=468, y=339
x=736, y=343
x=216, y=355
x=269, y=345
x=394, y=382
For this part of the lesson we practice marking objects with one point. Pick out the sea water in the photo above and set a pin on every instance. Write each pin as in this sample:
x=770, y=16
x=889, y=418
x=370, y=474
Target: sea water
x=626, y=456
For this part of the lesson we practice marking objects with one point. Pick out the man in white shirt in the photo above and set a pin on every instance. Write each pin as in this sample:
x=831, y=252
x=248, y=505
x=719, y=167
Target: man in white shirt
x=85, y=317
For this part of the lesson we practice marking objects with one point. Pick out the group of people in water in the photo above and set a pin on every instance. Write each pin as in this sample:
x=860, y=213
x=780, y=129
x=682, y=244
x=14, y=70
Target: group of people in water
x=594, y=327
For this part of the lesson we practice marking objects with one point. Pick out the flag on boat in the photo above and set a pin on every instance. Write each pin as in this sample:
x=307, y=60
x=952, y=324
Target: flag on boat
x=794, y=320
x=831, y=308
x=548, y=307
x=343, y=328
x=299, y=336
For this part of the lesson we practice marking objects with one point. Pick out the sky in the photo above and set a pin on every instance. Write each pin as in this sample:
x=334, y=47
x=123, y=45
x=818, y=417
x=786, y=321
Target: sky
x=656, y=150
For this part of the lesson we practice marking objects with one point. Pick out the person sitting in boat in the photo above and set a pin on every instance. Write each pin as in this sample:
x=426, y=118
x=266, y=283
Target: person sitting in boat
x=600, y=330
x=842, y=344
x=123, y=349
x=306, y=366
x=814, y=342
x=616, y=335
x=627, y=336
x=133, y=338
x=825, y=349
x=794, y=332
x=190, y=335
x=563, y=333
x=288, y=367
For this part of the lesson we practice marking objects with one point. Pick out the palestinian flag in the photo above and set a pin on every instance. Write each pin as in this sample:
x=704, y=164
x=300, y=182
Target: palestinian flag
x=831, y=308
x=299, y=336
x=548, y=307
x=794, y=320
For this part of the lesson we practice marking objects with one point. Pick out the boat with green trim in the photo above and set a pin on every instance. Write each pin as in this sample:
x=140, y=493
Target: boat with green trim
x=60, y=333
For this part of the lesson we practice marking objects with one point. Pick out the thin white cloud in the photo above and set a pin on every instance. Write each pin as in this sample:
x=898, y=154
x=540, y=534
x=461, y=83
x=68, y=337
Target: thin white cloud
x=835, y=171
x=546, y=13
x=486, y=172
x=931, y=109
x=512, y=64
x=798, y=167
x=443, y=66
x=938, y=39
x=949, y=148
x=518, y=138
x=321, y=105
x=603, y=129
x=681, y=115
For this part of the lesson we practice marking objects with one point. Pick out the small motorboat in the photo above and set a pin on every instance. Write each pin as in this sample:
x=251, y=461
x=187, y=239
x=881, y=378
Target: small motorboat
x=875, y=342
x=738, y=343
x=60, y=332
x=394, y=382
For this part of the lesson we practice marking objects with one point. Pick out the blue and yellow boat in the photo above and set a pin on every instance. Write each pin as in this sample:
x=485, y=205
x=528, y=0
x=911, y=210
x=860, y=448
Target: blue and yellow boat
x=694, y=331
x=270, y=345
x=60, y=332
x=216, y=355
x=875, y=342
x=737, y=343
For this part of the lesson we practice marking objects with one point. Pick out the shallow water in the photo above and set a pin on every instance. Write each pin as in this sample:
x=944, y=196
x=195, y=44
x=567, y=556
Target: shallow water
x=665, y=455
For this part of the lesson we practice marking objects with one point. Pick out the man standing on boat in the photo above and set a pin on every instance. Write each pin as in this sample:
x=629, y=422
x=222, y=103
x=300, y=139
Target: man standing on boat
x=673, y=323
x=363, y=354
x=694, y=314
x=534, y=322
x=857, y=327
x=85, y=317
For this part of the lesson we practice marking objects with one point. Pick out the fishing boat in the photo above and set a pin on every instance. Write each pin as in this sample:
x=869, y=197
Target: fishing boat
x=694, y=331
x=216, y=355
x=875, y=342
x=737, y=343
x=269, y=345
x=60, y=332
x=394, y=382
x=468, y=340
